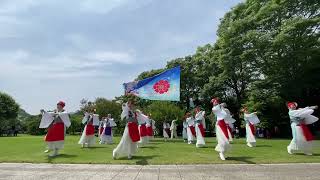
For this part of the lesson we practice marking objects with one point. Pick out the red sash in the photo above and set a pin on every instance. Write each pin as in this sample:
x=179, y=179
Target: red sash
x=200, y=126
x=143, y=130
x=306, y=132
x=100, y=130
x=230, y=130
x=55, y=132
x=133, y=131
x=252, y=129
x=193, y=131
x=149, y=131
x=89, y=130
x=222, y=124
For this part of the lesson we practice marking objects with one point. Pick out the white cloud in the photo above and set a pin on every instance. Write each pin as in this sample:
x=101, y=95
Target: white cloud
x=15, y=6
x=21, y=63
x=101, y=6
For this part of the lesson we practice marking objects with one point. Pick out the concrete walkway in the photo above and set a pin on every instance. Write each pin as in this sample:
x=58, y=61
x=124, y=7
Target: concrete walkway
x=27, y=171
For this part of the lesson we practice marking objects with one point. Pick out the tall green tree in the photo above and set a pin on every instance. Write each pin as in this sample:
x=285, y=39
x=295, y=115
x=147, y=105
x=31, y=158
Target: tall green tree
x=8, y=112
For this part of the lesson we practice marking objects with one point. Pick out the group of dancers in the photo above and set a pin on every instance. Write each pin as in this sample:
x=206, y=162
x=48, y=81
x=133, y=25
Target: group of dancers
x=139, y=128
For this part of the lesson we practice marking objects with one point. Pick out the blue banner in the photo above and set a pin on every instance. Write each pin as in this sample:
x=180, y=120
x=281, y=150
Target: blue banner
x=164, y=86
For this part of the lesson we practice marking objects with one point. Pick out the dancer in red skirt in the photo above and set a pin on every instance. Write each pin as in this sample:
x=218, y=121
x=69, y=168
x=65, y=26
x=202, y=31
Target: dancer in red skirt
x=55, y=121
x=90, y=120
x=128, y=143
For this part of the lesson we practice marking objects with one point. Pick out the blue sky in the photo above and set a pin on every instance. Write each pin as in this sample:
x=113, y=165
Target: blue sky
x=54, y=50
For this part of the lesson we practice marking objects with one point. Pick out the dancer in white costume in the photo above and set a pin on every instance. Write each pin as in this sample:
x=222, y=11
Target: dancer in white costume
x=191, y=132
x=223, y=145
x=301, y=136
x=173, y=129
x=229, y=121
x=142, y=121
x=106, y=135
x=56, y=122
x=200, y=126
x=90, y=120
x=150, y=127
x=251, y=120
x=184, y=130
x=166, y=130
x=128, y=143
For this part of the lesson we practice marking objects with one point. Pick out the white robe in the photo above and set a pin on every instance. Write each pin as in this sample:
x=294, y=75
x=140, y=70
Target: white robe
x=107, y=138
x=229, y=121
x=253, y=119
x=173, y=129
x=223, y=142
x=142, y=120
x=45, y=122
x=200, y=139
x=190, y=122
x=184, y=131
x=125, y=147
x=299, y=142
x=89, y=140
x=165, y=126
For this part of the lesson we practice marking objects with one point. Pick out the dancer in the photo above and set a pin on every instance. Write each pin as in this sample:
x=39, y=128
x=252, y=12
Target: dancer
x=251, y=120
x=56, y=121
x=101, y=128
x=222, y=135
x=301, y=136
x=142, y=121
x=128, y=143
x=200, y=125
x=173, y=129
x=166, y=130
x=150, y=127
x=184, y=130
x=107, y=135
x=229, y=121
x=191, y=132
x=90, y=120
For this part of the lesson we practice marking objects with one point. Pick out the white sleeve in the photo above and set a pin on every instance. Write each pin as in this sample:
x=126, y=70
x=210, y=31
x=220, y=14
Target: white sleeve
x=95, y=119
x=85, y=118
x=46, y=120
x=64, y=116
x=252, y=118
x=142, y=119
x=112, y=123
x=125, y=111
x=301, y=112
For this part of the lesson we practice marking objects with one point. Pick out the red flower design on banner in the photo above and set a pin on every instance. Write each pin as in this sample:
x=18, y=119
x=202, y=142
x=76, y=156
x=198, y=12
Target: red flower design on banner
x=161, y=86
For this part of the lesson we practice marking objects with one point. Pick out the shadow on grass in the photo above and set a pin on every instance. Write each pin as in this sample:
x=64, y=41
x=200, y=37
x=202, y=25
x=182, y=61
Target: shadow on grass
x=263, y=146
x=143, y=160
x=50, y=159
x=149, y=147
x=95, y=147
x=243, y=159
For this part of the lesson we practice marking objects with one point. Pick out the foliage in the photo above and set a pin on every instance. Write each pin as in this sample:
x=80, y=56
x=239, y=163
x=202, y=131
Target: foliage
x=8, y=112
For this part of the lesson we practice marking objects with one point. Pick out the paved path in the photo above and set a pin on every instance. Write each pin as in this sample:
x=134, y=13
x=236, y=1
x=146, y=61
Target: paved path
x=27, y=171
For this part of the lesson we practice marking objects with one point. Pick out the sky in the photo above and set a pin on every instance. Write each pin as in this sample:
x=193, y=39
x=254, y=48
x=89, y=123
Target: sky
x=53, y=50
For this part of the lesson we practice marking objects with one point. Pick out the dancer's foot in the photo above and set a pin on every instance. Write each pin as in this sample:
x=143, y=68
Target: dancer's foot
x=222, y=156
x=46, y=151
x=114, y=155
x=250, y=145
x=129, y=156
x=289, y=150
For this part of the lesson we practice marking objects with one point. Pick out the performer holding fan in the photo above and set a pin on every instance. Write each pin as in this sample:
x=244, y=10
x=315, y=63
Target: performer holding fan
x=200, y=125
x=90, y=120
x=106, y=135
x=128, y=143
x=301, y=135
x=251, y=119
x=223, y=145
x=55, y=121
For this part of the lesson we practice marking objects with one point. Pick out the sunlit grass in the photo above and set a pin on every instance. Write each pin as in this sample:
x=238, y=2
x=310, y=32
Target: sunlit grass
x=30, y=149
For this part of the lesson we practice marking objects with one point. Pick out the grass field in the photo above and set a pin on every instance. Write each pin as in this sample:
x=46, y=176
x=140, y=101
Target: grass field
x=30, y=149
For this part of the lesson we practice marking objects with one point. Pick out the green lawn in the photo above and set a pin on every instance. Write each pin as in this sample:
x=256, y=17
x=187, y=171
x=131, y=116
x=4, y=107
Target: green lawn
x=30, y=149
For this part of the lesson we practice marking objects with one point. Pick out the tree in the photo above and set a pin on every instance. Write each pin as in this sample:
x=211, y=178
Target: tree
x=8, y=112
